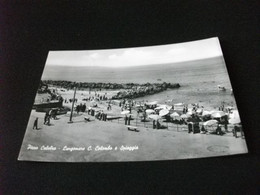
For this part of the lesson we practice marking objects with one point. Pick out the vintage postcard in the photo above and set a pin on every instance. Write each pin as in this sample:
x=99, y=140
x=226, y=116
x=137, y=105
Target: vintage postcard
x=134, y=104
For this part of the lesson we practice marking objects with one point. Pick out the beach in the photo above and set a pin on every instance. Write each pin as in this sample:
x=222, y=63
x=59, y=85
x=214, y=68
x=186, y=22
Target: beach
x=89, y=138
x=112, y=141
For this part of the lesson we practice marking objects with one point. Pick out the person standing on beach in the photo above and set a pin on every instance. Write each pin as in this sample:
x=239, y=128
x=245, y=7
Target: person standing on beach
x=45, y=118
x=77, y=109
x=235, y=130
x=84, y=108
x=126, y=120
x=154, y=125
x=144, y=116
x=49, y=120
x=218, y=130
x=157, y=124
x=129, y=118
x=105, y=117
x=35, y=124
x=190, y=127
x=203, y=130
x=101, y=116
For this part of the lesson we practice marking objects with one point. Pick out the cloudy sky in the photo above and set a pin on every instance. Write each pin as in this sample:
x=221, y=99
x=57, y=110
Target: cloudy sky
x=171, y=53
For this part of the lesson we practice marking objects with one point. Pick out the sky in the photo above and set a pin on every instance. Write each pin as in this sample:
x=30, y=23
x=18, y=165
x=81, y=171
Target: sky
x=172, y=53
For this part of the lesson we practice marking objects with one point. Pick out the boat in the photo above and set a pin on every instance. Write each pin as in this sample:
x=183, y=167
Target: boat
x=50, y=104
x=221, y=88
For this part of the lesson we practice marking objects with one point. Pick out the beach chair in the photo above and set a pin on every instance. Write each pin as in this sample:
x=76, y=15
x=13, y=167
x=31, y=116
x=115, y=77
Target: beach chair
x=132, y=128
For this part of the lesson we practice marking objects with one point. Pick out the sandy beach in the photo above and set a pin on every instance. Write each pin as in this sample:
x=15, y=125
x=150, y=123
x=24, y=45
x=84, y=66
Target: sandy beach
x=162, y=98
x=107, y=141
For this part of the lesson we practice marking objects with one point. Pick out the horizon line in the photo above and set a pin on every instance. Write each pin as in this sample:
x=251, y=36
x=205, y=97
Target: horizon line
x=127, y=66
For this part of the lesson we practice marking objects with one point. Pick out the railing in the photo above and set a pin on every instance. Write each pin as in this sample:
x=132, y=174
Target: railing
x=168, y=126
x=149, y=124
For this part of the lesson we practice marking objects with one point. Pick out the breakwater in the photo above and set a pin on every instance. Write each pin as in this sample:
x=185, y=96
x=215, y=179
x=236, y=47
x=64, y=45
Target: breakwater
x=127, y=90
x=100, y=85
x=143, y=90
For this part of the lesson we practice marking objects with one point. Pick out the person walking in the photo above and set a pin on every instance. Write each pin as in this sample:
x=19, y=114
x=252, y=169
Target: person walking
x=45, y=118
x=35, y=124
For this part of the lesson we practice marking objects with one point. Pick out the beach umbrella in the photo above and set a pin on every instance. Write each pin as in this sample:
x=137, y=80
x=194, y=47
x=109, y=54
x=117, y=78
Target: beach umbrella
x=189, y=112
x=177, y=118
x=234, y=117
x=234, y=114
x=163, y=112
x=210, y=122
x=178, y=104
x=125, y=112
x=218, y=114
x=160, y=108
x=213, y=111
x=154, y=116
x=93, y=103
x=174, y=114
x=168, y=107
x=151, y=103
x=163, y=106
x=185, y=116
x=199, y=110
x=149, y=111
x=205, y=113
x=234, y=121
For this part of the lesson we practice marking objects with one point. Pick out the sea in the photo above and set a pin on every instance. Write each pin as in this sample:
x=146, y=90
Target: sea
x=198, y=79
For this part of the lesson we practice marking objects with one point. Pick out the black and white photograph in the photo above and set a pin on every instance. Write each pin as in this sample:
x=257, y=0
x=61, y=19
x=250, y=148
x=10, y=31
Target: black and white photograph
x=152, y=103
x=129, y=97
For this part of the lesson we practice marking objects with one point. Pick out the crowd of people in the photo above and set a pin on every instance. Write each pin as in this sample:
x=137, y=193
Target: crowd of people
x=81, y=108
x=101, y=116
x=194, y=112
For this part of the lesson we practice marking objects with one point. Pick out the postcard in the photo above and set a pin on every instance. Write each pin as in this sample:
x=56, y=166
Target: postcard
x=151, y=103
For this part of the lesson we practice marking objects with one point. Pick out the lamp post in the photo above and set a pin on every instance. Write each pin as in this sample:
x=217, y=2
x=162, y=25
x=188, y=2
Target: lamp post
x=71, y=113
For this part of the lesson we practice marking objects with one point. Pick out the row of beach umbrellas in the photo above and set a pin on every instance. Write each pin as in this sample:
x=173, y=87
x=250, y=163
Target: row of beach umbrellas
x=164, y=110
